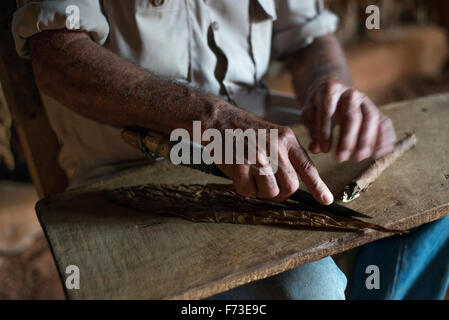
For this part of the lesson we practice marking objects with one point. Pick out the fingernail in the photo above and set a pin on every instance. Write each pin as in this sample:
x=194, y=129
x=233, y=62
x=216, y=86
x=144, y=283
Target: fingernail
x=314, y=148
x=363, y=154
x=343, y=156
x=327, y=197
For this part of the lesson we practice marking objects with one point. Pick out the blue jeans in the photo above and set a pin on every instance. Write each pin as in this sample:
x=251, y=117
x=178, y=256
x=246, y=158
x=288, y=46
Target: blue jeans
x=414, y=266
x=319, y=280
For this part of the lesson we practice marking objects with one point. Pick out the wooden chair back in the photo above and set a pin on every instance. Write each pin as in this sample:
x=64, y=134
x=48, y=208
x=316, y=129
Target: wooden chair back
x=38, y=141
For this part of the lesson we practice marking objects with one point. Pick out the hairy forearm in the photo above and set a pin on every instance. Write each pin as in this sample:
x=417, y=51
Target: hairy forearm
x=103, y=86
x=322, y=60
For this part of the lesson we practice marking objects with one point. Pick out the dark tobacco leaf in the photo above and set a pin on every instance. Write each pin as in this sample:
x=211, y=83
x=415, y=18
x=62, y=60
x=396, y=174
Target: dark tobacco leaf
x=220, y=204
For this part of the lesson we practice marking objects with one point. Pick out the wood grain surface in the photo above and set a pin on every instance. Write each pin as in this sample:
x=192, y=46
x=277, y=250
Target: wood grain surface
x=126, y=254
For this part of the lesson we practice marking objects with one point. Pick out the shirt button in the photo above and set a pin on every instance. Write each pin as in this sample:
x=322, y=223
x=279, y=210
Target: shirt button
x=215, y=26
x=158, y=3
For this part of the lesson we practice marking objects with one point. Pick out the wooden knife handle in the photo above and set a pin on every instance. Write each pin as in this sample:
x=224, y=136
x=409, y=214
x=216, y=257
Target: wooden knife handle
x=157, y=143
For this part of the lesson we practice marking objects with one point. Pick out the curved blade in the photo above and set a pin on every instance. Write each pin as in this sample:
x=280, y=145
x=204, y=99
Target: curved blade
x=336, y=209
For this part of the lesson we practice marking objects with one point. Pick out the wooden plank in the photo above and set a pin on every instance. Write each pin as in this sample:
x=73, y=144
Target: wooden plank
x=174, y=258
x=36, y=137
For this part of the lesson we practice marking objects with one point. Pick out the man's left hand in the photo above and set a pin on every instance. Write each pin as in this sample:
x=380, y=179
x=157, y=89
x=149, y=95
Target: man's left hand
x=364, y=131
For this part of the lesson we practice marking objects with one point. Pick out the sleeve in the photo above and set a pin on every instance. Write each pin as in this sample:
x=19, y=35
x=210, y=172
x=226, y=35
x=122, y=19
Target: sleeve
x=33, y=17
x=299, y=23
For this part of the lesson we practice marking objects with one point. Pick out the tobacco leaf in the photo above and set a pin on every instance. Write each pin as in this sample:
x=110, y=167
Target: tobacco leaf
x=221, y=204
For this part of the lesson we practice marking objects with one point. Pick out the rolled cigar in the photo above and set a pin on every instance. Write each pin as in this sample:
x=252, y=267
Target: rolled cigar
x=366, y=178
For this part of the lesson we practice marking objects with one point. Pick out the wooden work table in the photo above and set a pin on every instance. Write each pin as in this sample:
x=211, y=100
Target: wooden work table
x=126, y=254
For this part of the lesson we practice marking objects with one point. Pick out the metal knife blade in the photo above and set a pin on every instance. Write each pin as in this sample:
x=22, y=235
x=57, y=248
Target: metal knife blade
x=300, y=196
x=336, y=209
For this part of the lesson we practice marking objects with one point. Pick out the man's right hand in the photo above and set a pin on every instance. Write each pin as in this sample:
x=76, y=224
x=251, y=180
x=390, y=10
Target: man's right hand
x=292, y=161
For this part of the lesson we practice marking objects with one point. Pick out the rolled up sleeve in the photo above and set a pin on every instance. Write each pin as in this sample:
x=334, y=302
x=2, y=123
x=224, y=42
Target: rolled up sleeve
x=37, y=16
x=299, y=23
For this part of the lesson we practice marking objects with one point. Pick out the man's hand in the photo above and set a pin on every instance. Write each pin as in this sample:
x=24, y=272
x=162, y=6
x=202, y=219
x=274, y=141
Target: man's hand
x=323, y=87
x=364, y=131
x=292, y=161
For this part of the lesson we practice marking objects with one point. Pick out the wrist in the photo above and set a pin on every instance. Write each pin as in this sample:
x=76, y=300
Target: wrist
x=215, y=111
